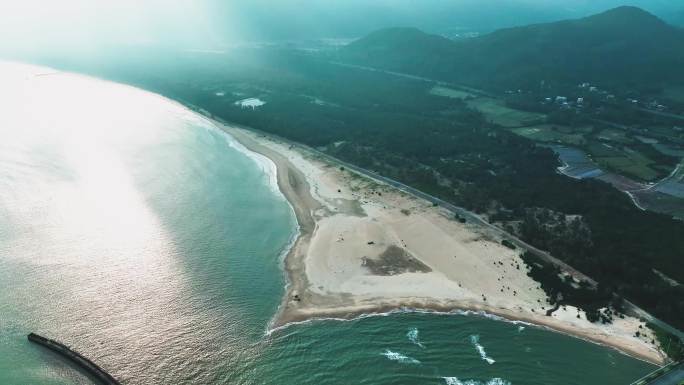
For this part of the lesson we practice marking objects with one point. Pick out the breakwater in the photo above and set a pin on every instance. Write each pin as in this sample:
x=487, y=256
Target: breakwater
x=75, y=357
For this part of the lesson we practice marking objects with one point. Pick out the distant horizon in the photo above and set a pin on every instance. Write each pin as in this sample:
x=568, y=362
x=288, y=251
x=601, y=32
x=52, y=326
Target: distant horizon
x=211, y=23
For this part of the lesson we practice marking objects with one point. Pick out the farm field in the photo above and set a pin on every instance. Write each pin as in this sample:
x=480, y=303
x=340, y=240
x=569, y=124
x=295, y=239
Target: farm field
x=612, y=149
x=451, y=93
x=549, y=133
x=661, y=202
x=623, y=161
x=614, y=135
x=497, y=112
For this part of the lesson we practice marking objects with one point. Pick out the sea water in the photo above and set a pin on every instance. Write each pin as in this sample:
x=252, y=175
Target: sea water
x=140, y=235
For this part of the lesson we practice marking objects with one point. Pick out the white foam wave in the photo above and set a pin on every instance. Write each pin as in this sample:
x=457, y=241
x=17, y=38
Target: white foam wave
x=394, y=356
x=452, y=381
x=498, y=381
x=520, y=329
x=475, y=340
x=270, y=170
x=413, y=337
x=493, y=381
x=404, y=310
x=264, y=163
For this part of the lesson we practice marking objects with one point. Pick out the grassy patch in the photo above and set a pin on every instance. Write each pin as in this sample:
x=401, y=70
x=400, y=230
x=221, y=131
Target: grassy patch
x=672, y=346
x=497, y=112
x=450, y=93
x=551, y=133
x=393, y=261
x=632, y=166
x=624, y=160
x=613, y=135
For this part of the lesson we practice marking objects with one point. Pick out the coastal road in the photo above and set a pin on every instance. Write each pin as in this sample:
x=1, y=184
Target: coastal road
x=478, y=220
x=470, y=217
x=415, y=77
x=485, y=93
x=663, y=114
x=673, y=375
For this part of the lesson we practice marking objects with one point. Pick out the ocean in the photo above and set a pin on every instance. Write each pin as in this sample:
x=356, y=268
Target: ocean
x=140, y=235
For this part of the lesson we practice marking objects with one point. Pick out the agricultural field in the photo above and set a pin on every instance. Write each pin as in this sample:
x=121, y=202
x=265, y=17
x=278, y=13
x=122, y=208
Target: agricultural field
x=549, y=133
x=614, y=150
x=665, y=132
x=666, y=149
x=451, y=93
x=614, y=135
x=624, y=161
x=661, y=202
x=497, y=112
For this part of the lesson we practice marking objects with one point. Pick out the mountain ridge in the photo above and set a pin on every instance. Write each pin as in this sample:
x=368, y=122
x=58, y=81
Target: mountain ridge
x=624, y=45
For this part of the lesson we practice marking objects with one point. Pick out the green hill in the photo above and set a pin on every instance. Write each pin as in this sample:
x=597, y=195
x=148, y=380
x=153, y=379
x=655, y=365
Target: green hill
x=623, y=46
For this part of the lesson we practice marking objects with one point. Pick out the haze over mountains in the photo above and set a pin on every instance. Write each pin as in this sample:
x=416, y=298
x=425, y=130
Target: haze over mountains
x=625, y=46
x=297, y=19
x=92, y=26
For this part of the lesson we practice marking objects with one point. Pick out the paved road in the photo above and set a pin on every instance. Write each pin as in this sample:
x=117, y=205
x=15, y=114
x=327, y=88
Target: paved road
x=478, y=220
x=673, y=376
x=468, y=215
x=460, y=211
x=416, y=77
x=661, y=113
x=474, y=218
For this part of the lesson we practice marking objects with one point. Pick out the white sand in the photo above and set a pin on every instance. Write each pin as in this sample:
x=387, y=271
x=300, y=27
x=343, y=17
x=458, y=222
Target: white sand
x=341, y=212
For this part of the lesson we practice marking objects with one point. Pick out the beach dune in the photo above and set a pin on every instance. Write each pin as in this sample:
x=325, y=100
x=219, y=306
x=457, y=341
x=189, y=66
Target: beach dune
x=365, y=247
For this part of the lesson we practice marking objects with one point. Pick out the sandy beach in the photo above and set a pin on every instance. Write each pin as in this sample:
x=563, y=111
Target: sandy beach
x=365, y=247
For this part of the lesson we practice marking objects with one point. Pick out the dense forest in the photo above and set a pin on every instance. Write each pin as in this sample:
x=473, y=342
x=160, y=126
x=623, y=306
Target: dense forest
x=395, y=126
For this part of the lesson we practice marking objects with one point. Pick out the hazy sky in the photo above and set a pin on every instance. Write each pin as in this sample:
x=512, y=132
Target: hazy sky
x=85, y=22
x=91, y=24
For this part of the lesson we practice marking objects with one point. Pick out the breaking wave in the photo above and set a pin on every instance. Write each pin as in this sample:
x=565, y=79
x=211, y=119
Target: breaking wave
x=394, y=356
x=475, y=340
x=413, y=337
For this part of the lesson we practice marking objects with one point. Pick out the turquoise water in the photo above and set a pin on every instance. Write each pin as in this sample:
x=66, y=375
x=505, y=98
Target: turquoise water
x=135, y=232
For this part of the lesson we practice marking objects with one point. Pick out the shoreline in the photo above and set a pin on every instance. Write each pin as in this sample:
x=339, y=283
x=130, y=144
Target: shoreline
x=454, y=311
x=295, y=189
x=293, y=185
